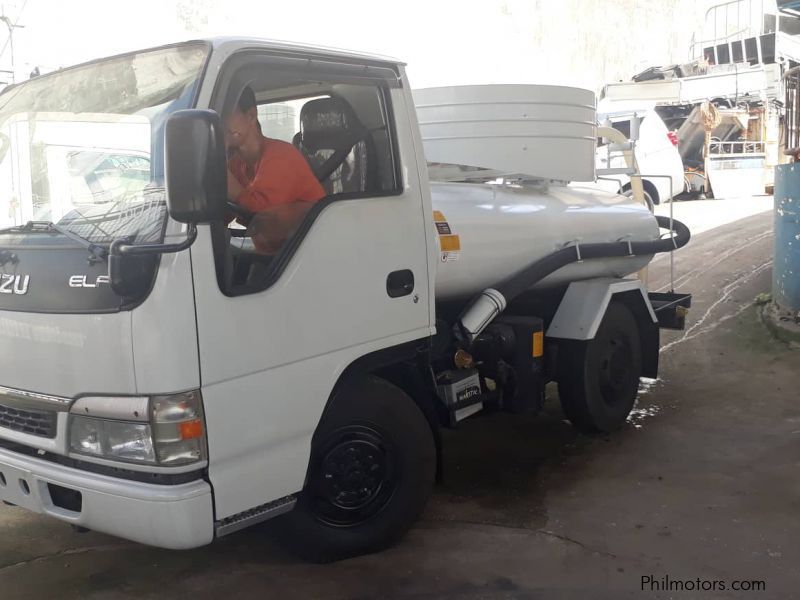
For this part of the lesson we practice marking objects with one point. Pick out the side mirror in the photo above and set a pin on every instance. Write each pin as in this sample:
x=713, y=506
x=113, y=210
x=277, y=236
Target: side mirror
x=195, y=166
x=131, y=276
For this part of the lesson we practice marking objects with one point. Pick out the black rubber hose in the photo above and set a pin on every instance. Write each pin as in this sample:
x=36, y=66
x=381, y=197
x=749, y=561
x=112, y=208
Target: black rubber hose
x=535, y=272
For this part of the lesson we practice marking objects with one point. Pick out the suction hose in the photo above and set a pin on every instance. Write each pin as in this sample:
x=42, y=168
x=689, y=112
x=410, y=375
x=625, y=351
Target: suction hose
x=493, y=301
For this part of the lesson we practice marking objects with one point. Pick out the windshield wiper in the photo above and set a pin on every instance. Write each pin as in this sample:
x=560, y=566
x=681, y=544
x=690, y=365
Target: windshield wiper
x=96, y=251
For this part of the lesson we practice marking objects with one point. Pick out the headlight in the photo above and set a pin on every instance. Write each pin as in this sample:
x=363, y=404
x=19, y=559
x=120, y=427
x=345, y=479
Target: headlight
x=160, y=430
x=112, y=439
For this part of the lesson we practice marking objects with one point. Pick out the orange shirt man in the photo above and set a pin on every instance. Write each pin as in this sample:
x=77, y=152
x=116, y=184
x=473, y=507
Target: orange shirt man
x=267, y=177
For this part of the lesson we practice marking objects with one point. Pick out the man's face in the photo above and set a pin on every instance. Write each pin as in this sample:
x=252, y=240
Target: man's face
x=237, y=129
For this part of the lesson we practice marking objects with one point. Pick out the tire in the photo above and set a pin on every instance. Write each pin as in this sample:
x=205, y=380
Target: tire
x=372, y=469
x=599, y=379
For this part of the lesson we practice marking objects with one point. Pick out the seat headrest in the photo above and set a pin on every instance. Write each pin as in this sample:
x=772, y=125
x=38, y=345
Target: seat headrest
x=327, y=123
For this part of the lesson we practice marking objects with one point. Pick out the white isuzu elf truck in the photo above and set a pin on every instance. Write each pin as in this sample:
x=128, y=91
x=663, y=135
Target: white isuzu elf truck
x=165, y=383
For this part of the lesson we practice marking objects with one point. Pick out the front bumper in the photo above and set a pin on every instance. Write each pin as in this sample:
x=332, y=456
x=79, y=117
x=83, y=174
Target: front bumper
x=168, y=516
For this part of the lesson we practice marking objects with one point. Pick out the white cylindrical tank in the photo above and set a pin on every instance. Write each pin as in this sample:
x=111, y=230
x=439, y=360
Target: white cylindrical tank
x=488, y=232
x=543, y=131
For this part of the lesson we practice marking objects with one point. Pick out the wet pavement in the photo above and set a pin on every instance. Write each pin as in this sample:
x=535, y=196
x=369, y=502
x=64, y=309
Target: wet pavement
x=703, y=484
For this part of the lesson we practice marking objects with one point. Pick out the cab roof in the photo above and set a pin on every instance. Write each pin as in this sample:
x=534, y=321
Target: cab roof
x=230, y=43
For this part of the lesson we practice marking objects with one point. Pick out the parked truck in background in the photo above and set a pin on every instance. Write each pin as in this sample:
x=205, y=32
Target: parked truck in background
x=725, y=103
x=163, y=382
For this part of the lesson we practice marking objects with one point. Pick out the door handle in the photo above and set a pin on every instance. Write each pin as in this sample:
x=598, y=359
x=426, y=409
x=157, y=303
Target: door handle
x=400, y=283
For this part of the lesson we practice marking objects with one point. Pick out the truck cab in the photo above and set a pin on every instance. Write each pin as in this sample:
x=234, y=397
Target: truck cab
x=253, y=338
x=164, y=382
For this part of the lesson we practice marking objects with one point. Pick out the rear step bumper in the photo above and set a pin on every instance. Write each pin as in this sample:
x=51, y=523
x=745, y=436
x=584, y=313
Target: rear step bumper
x=670, y=308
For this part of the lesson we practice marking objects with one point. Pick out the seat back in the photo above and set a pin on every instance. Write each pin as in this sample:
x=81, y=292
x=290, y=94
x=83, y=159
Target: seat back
x=330, y=131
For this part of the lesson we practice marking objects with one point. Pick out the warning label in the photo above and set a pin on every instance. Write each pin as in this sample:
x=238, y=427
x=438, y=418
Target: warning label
x=449, y=242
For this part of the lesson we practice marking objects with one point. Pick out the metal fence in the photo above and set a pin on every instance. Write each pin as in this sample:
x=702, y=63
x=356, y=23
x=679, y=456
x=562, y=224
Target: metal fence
x=737, y=147
x=732, y=21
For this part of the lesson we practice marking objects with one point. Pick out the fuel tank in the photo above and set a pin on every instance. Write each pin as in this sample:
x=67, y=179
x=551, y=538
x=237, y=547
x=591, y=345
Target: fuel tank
x=488, y=232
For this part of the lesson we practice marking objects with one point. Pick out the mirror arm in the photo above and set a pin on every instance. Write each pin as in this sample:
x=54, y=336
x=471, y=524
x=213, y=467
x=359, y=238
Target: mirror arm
x=121, y=246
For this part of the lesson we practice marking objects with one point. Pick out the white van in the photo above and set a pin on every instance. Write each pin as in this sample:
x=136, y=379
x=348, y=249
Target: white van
x=656, y=150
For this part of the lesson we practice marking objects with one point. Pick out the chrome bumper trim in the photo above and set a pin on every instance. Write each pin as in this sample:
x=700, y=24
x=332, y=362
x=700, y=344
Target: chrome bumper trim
x=23, y=399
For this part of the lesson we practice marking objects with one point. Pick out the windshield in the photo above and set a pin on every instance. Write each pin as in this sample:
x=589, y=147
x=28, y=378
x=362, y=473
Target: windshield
x=84, y=147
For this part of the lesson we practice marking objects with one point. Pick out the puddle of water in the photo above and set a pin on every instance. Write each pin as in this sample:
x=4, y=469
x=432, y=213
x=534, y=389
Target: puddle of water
x=640, y=413
x=646, y=385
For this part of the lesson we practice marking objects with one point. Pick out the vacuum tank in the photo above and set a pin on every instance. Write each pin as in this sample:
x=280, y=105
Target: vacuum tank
x=540, y=137
x=487, y=232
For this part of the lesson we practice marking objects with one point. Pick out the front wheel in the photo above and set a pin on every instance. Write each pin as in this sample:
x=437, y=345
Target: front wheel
x=599, y=379
x=372, y=469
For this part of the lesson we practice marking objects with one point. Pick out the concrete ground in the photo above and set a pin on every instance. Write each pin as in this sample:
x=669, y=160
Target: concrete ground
x=704, y=215
x=702, y=484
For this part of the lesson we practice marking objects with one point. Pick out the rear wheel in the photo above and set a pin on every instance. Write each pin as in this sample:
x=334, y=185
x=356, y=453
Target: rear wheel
x=599, y=379
x=372, y=469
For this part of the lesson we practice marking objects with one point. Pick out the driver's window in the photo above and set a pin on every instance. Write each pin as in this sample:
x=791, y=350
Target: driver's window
x=295, y=144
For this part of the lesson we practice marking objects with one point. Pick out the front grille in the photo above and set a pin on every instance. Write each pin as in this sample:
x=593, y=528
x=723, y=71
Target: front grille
x=34, y=422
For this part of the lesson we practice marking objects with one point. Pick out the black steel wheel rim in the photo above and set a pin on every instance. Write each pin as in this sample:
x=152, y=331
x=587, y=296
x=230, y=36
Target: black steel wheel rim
x=353, y=475
x=616, y=369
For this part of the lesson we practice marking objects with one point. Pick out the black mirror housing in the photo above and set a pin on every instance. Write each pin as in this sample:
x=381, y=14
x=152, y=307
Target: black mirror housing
x=131, y=276
x=195, y=166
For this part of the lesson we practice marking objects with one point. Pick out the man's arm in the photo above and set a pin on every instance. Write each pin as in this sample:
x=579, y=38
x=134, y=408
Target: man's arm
x=235, y=188
x=271, y=228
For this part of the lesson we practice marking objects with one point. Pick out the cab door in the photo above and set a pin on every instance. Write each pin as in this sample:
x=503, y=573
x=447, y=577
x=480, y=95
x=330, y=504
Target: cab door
x=354, y=279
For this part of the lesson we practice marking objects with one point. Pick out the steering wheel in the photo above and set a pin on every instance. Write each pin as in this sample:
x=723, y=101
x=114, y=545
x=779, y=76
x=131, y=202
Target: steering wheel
x=244, y=214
